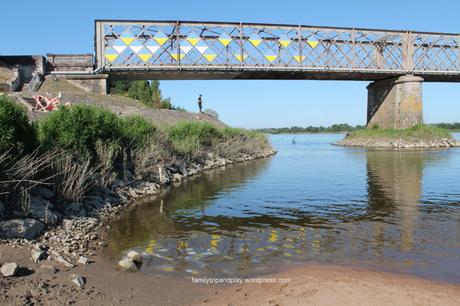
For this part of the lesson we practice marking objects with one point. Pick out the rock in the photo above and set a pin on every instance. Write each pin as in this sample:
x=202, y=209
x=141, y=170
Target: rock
x=96, y=202
x=135, y=256
x=67, y=224
x=127, y=264
x=83, y=260
x=163, y=176
x=45, y=193
x=77, y=280
x=75, y=209
x=2, y=209
x=9, y=269
x=38, y=255
x=177, y=177
x=48, y=269
x=64, y=261
x=40, y=209
x=21, y=228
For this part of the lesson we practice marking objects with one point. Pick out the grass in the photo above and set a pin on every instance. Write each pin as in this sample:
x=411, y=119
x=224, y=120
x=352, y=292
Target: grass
x=421, y=132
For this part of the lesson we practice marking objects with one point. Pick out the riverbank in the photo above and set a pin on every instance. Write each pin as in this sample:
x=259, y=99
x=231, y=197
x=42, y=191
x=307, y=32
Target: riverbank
x=56, y=203
x=421, y=136
x=72, y=249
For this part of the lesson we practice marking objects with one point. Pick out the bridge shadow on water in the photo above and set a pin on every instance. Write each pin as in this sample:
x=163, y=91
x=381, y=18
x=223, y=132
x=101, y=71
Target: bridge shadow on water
x=225, y=222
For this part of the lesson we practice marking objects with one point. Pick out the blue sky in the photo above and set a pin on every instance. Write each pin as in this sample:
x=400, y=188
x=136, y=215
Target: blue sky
x=53, y=26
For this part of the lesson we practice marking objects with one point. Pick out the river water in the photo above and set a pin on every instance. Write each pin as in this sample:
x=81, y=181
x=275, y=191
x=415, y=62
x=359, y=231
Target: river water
x=313, y=202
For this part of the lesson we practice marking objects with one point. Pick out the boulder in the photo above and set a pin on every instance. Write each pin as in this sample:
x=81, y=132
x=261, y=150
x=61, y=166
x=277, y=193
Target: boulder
x=40, y=209
x=75, y=209
x=45, y=193
x=21, y=228
x=9, y=269
x=77, y=280
x=127, y=264
x=135, y=256
x=96, y=202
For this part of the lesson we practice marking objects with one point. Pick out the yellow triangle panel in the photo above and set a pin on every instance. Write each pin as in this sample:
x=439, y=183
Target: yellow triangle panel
x=193, y=41
x=225, y=41
x=285, y=43
x=161, y=40
x=127, y=40
x=240, y=57
x=299, y=58
x=313, y=43
x=145, y=57
x=271, y=58
x=255, y=42
x=176, y=56
x=210, y=57
x=111, y=57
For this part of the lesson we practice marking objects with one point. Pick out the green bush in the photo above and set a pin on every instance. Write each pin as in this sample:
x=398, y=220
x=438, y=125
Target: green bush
x=80, y=128
x=138, y=131
x=191, y=137
x=17, y=133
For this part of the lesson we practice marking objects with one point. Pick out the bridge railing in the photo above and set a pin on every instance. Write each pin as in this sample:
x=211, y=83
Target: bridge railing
x=214, y=45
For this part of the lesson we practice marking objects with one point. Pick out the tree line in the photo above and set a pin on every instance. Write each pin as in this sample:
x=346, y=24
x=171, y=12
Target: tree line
x=342, y=127
x=146, y=92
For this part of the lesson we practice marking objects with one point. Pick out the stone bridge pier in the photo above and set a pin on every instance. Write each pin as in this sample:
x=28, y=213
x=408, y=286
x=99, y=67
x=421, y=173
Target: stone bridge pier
x=395, y=103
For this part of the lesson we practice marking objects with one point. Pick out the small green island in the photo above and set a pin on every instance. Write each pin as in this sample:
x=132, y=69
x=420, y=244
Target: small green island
x=419, y=136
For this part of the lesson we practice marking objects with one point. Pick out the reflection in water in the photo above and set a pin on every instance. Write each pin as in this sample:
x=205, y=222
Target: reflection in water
x=312, y=202
x=394, y=186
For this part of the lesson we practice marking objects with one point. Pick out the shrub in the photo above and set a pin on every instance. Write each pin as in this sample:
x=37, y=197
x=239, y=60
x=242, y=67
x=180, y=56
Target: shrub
x=192, y=137
x=17, y=133
x=138, y=131
x=80, y=128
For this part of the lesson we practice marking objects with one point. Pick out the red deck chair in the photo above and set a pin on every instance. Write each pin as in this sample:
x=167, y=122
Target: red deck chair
x=45, y=104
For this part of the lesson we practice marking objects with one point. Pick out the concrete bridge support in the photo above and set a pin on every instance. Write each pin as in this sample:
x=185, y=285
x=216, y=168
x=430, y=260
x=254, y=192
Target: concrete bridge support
x=395, y=103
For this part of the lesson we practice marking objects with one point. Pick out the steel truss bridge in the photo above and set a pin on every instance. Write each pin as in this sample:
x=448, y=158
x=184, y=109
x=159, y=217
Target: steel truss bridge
x=218, y=50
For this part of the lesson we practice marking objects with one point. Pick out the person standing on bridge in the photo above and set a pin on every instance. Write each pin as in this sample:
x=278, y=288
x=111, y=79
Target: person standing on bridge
x=200, y=104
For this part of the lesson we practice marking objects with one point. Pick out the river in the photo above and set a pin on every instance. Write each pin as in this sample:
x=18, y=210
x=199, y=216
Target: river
x=395, y=211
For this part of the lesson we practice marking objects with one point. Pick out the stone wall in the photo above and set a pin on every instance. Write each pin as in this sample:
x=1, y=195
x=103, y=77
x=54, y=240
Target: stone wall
x=70, y=62
x=24, y=67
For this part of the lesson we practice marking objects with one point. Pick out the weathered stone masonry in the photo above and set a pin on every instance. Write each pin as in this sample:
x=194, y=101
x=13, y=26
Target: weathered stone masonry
x=395, y=103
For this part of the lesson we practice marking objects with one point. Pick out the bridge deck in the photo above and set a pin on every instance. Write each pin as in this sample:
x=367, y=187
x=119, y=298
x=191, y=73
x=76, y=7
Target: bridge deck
x=216, y=50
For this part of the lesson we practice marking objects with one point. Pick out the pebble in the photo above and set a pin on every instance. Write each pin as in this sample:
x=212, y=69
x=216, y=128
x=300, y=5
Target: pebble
x=127, y=264
x=64, y=261
x=38, y=255
x=83, y=260
x=9, y=269
x=77, y=280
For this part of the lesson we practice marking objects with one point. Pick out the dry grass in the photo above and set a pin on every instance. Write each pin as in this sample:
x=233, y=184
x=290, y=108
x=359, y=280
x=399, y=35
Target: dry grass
x=19, y=177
